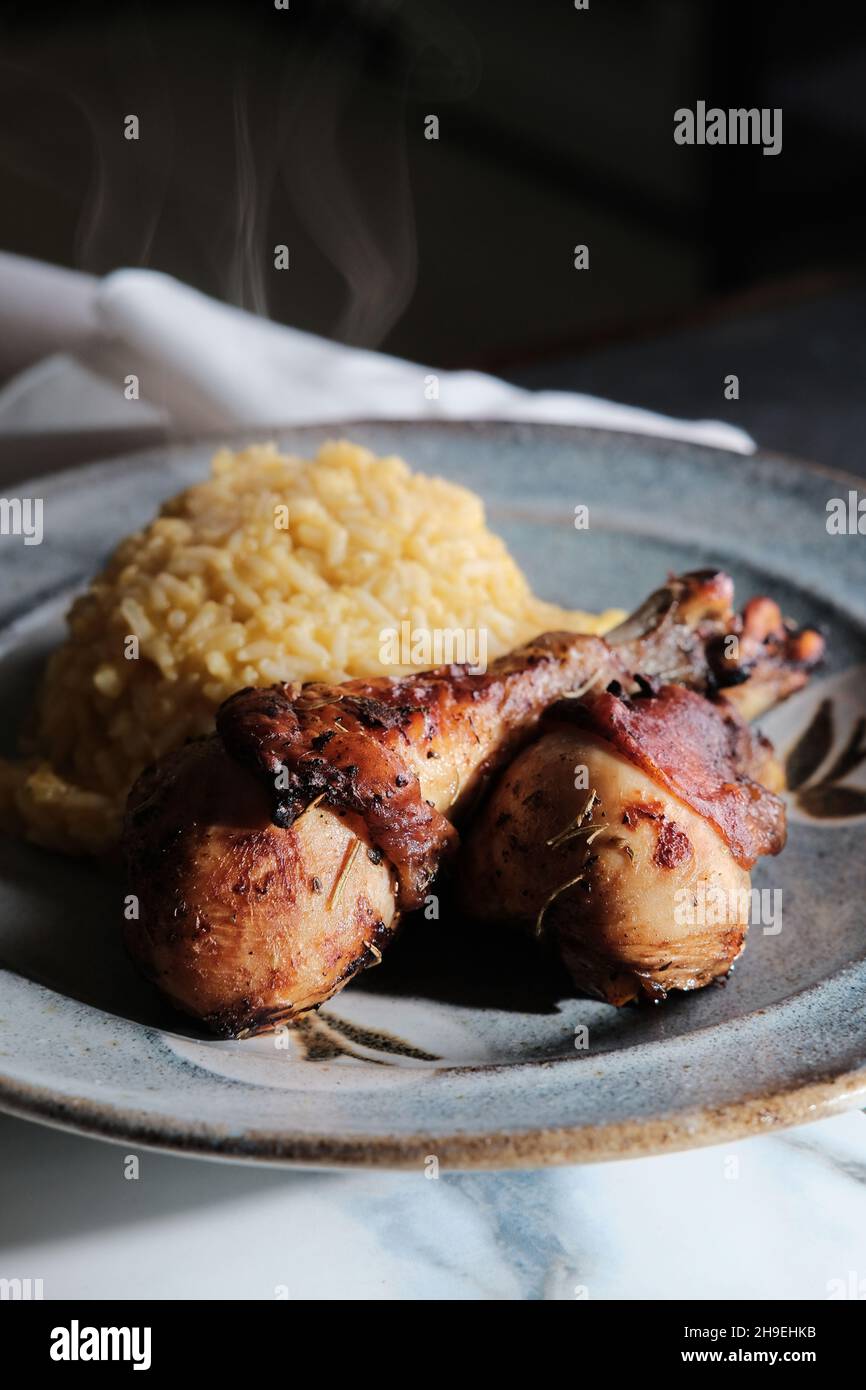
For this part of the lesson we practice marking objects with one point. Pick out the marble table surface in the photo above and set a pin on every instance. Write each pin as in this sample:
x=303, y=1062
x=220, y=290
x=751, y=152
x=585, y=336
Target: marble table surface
x=782, y=1216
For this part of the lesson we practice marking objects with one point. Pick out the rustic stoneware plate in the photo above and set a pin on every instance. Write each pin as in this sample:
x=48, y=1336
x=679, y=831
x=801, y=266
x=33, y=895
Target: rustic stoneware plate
x=462, y=1045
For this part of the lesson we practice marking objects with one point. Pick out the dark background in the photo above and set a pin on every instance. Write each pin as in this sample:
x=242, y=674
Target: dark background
x=306, y=127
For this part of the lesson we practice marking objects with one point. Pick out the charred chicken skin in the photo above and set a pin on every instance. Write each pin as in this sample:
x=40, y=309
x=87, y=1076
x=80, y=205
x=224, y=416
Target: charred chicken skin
x=624, y=836
x=272, y=860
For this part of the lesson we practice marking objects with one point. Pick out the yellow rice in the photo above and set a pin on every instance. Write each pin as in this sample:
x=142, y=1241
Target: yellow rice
x=275, y=568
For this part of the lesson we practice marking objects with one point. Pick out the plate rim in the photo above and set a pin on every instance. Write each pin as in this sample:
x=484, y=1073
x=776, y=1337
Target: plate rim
x=236, y=436
x=699, y=1127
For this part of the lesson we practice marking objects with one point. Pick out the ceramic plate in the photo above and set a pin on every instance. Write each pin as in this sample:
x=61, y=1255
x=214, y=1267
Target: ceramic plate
x=462, y=1045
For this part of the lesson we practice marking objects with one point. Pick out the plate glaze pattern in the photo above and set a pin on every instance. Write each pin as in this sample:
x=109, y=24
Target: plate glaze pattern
x=462, y=1045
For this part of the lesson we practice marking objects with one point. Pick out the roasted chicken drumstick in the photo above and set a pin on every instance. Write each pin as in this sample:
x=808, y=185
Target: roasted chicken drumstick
x=624, y=834
x=272, y=860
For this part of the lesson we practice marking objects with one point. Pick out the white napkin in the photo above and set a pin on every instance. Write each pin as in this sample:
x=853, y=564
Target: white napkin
x=205, y=366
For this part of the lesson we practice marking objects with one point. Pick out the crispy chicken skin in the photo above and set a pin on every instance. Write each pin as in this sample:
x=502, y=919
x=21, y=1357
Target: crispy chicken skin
x=342, y=792
x=272, y=860
x=624, y=835
x=239, y=917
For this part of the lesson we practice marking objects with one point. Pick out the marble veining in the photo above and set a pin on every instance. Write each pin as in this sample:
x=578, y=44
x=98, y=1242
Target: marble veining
x=778, y=1217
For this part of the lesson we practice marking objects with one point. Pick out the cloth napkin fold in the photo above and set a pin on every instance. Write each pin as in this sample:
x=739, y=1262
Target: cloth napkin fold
x=206, y=366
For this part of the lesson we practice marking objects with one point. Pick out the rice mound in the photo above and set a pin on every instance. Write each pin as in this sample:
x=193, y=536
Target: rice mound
x=276, y=568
